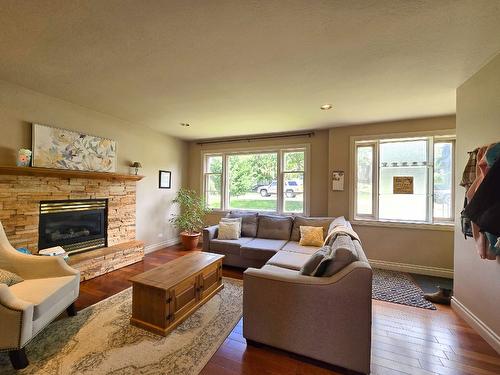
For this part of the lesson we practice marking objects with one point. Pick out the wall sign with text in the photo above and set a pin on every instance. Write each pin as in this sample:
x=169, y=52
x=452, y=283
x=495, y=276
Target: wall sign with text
x=402, y=185
x=338, y=180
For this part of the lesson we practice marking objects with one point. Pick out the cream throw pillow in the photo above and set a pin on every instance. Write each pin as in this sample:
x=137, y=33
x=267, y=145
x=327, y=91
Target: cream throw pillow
x=229, y=230
x=232, y=220
x=311, y=236
x=9, y=278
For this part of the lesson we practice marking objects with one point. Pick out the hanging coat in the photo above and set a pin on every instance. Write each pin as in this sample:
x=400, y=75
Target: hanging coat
x=484, y=208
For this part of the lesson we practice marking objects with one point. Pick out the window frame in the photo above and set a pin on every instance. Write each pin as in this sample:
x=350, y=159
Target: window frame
x=206, y=175
x=431, y=222
x=280, y=151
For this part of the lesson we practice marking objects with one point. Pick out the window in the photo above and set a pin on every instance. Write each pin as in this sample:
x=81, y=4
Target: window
x=293, y=181
x=252, y=181
x=213, y=181
x=267, y=180
x=407, y=180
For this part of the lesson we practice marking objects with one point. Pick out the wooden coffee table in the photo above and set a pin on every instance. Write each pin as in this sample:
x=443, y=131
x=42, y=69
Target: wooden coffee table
x=166, y=295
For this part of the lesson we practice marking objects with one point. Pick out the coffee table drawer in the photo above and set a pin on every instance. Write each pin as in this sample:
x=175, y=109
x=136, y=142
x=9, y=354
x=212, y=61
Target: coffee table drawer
x=184, y=296
x=210, y=279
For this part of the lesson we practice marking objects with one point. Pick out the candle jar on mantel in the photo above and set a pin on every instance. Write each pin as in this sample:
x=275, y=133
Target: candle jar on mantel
x=23, y=158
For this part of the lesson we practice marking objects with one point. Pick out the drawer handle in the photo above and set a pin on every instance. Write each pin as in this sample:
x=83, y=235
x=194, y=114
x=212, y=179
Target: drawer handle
x=169, y=299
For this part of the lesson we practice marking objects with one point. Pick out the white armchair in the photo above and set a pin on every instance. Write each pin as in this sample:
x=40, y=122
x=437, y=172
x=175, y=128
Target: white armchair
x=50, y=286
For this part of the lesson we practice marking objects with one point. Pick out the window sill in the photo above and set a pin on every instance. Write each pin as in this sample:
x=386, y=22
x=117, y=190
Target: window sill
x=445, y=227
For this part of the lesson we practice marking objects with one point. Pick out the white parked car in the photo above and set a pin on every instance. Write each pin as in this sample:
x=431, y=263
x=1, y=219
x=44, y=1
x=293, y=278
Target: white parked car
x=292, y=188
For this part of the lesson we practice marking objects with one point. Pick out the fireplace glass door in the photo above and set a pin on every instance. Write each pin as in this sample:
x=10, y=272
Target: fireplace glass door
x=75, y=225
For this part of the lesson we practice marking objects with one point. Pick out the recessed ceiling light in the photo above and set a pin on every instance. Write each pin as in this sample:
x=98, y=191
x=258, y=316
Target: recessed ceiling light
x=185, y=124
x=326, y=107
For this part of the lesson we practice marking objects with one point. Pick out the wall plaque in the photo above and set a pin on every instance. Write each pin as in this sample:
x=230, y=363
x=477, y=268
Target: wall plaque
x=402, y=185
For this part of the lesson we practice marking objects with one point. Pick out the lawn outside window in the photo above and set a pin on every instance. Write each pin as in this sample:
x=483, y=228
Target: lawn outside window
x=268, y=180
x=403, y=179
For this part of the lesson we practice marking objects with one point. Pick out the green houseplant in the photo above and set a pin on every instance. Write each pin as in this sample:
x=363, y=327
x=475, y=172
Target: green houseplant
x=190, y=219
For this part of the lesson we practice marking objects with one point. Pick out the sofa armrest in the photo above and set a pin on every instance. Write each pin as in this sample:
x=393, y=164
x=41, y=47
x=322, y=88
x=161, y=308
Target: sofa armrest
x=37, y=267
x=325, y=318
x=209, y=233
x=294, y=277
x=16, y=320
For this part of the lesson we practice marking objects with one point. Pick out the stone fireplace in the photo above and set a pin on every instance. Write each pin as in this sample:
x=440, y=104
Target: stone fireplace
x=90, y=214
x=75, y=225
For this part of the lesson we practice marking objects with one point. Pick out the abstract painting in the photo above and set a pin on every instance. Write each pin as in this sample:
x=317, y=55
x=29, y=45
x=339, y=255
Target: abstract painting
x=67, y=149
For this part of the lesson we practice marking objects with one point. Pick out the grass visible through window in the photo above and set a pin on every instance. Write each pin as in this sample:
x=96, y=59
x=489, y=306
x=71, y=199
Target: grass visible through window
x=264, y=205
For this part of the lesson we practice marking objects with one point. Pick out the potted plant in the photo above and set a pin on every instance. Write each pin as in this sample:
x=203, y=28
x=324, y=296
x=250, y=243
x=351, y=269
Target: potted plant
x=190, y=220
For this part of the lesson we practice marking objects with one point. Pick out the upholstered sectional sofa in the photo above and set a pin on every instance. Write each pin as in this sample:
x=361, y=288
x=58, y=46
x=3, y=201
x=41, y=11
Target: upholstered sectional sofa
x=324, y=318
x=262, y=236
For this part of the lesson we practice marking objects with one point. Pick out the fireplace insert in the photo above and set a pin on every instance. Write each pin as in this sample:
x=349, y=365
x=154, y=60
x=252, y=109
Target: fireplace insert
x=75, y=225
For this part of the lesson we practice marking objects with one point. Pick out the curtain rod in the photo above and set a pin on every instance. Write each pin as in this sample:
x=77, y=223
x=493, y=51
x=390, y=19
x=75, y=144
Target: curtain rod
x=255, y=138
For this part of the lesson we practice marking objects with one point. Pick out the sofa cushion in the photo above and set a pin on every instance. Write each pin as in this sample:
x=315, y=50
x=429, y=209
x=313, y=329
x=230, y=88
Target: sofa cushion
x=343, y=253
x=232, y=220
x=248, y=222
x=299, y=221
x=229, y=230
x=261, y=248
x=311, y=236
x=314, y=261
x=9, y=278
x=294, y=247
x=228, y=246
x=286, y=259
x=44, y=293
x=275, y=227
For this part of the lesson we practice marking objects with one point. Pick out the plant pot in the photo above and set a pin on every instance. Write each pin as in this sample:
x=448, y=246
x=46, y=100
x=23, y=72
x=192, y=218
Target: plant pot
x=190, y=240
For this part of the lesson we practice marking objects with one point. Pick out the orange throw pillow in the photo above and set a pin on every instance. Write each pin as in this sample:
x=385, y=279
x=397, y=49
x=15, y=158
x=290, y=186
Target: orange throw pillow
x=311, y=236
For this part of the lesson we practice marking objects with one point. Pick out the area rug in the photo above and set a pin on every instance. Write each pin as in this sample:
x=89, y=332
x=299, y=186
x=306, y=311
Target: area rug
x=398, y=287
x=100, y=340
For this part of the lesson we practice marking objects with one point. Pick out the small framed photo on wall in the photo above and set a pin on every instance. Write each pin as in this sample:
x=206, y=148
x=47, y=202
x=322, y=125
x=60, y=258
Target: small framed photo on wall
x=165, y=180
x=338, y=180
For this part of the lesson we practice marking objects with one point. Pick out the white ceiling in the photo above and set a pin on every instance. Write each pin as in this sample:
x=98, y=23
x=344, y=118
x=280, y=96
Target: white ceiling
x=231, y=67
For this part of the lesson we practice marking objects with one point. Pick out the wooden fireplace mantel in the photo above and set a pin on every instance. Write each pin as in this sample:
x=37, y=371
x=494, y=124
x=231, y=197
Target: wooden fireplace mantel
x=66, y=173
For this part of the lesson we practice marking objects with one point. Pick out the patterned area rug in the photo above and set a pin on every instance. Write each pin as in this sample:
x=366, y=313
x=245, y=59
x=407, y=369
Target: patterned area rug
x=100, y=340
x=398, y=287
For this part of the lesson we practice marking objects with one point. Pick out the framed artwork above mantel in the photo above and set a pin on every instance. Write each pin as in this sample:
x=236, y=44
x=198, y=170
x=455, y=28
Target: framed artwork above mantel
x=68, y=149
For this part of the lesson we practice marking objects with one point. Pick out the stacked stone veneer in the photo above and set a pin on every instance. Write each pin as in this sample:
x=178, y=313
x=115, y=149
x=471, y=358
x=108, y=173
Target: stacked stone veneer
x=20, y=198
x=98, y=262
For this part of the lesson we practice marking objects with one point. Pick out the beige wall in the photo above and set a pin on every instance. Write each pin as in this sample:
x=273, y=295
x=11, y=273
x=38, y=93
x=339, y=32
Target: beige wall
x=20, y=107
x=424, y=247
x=477, y=281
x=330, y=151
x=318, y=163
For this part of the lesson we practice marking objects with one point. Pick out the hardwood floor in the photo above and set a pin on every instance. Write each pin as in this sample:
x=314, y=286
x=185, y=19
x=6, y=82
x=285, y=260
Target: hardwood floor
x=405, y=340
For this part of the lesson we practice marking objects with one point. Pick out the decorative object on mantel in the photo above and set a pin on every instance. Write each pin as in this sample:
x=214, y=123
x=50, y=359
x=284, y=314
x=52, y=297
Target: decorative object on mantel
x=165, y=180
x=136, y=165
x=23, y=158
x=67, y=149
x=190, y=220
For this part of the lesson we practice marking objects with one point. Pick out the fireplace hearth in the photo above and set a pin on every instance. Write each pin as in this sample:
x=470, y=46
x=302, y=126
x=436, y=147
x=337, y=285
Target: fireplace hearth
x=75, y=225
